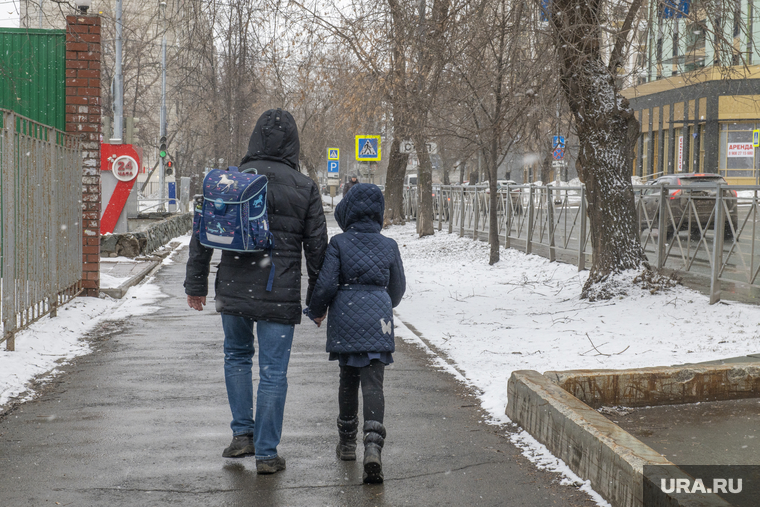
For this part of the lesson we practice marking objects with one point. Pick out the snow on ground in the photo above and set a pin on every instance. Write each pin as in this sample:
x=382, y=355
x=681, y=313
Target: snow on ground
x=524, y=313
x=330, y=202
x=47, y=344
x=479, y=322
x=483, y=322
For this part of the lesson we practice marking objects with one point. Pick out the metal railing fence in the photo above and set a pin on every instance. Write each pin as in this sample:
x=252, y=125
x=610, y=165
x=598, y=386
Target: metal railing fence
x=40, y=221
x=709, y=231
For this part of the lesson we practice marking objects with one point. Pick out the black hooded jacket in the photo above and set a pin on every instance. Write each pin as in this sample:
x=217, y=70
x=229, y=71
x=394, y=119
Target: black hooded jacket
x=296, y=220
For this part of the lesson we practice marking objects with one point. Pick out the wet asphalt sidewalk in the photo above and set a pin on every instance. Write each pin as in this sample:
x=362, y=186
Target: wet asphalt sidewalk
x=143, y=420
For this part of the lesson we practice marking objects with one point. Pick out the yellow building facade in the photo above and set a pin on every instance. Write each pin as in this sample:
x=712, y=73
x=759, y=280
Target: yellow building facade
x=702, y=121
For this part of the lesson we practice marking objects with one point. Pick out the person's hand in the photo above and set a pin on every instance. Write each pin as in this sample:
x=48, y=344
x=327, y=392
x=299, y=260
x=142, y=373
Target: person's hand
x=196, y=302
x=318, y=321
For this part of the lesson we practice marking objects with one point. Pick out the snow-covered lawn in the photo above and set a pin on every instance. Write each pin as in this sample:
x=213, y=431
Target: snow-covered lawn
x=524, y=313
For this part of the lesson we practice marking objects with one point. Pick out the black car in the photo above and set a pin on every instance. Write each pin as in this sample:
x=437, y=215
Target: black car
x=691, y=199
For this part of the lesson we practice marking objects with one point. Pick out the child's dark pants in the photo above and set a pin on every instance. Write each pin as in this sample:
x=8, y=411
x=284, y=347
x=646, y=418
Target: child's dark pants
x=371, y=380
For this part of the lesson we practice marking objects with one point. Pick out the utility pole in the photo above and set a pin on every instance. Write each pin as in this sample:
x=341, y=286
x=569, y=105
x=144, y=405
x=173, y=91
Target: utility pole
x=118, y=85
x=161, y=173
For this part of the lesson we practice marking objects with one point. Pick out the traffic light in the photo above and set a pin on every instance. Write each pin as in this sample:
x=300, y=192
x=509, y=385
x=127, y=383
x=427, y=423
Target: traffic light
x=131, y=130
x=162, y=148
x=169, y=168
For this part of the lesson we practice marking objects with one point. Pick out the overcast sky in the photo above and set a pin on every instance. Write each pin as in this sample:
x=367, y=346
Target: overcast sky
x=9, y=13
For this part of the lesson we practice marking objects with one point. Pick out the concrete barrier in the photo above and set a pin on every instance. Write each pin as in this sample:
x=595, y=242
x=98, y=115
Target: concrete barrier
x=645, y=387
x=134, y=244
x=595, y=448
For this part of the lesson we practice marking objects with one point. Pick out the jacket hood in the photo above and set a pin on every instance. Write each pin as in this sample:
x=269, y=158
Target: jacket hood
x=274, y=138
x=361, y=209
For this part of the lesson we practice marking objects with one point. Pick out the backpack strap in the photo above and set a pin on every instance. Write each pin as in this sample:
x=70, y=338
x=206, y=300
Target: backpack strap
x=271, y=271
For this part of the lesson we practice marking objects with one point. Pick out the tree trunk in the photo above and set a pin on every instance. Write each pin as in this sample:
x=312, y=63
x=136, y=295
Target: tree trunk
x=394, y=185
x=311, y=171
x=546, y=167
x=493, y=217
x=425, y=185
x=607, y=132
x=607, y=139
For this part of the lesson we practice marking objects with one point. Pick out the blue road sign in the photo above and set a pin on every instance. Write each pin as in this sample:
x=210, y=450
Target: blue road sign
x=367, y=148
x=333, y=154
x=558, y=142
x=558, y=153
x=333, y=166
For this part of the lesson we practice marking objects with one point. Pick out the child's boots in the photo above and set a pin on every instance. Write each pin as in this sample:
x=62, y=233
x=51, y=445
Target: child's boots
x=374, y=438
x=347, y=430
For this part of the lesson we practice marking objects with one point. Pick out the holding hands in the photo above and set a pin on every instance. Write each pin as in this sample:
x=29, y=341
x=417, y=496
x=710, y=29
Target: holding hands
x=317, y=320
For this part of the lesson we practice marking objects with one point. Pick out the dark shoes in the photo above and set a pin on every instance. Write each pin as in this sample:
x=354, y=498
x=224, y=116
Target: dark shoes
x=374, y=439
x=347, y=430
x=270, y=466
x=241, y=446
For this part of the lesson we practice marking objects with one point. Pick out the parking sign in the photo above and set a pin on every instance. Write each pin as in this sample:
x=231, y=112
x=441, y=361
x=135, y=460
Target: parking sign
x=333, y=166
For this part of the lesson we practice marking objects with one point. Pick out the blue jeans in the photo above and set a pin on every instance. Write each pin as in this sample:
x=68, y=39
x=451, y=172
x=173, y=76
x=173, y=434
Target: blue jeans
x=275, y=341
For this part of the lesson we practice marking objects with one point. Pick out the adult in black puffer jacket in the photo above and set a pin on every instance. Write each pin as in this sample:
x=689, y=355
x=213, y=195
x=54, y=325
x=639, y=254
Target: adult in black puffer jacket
x=297, y=221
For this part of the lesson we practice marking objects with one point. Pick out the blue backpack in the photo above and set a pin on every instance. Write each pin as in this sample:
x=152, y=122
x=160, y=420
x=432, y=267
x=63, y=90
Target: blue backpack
x=233, y=214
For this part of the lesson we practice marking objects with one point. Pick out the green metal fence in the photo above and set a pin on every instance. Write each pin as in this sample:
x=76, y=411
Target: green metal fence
x=40, y=221
x=33, y=74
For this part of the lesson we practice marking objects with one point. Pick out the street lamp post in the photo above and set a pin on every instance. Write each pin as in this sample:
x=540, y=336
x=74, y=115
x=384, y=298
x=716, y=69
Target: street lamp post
x=118, y=85
x=161, y=173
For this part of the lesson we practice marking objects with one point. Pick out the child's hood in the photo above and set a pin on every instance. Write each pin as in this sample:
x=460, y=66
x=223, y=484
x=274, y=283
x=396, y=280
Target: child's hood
x=361, y=209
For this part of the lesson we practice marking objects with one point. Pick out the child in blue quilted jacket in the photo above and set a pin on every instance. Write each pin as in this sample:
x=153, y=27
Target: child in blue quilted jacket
x=361, y=281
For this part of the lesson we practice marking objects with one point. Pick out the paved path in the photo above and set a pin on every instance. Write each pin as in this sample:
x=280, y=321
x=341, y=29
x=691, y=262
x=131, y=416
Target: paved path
x=143, y=421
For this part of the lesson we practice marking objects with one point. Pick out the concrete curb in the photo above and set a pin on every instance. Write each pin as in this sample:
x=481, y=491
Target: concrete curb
x=644, y=387
x=594, y=447
x=118, y=292
x=154, y=261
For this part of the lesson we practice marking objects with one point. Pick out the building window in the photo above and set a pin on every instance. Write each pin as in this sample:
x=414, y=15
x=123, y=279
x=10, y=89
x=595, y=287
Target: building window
x=665, y=152
x=736, y=155
x=645, y=171
x=701, y=127
x=656, y=155
x=695, y=45
x=678, y=163
x=635, y=158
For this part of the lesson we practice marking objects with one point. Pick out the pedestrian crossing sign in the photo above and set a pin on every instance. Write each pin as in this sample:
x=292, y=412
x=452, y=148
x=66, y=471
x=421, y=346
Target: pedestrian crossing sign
x=333, y=154
x=368, y=148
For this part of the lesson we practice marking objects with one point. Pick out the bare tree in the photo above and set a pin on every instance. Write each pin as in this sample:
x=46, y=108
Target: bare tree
x=606, y=127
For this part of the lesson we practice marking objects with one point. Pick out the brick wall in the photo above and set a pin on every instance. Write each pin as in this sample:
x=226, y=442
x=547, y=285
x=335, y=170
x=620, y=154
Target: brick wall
x=83, y=109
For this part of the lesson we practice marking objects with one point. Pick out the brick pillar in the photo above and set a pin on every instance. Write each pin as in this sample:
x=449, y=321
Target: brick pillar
x=83, y=109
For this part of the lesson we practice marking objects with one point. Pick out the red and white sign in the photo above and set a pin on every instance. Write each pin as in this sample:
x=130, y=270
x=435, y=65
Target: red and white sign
x=741, y=150
x=125, y=168
x=124, y=162
x=680, y=153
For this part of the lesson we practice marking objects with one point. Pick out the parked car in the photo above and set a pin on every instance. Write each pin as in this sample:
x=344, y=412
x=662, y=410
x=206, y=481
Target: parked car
x=690, y=195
